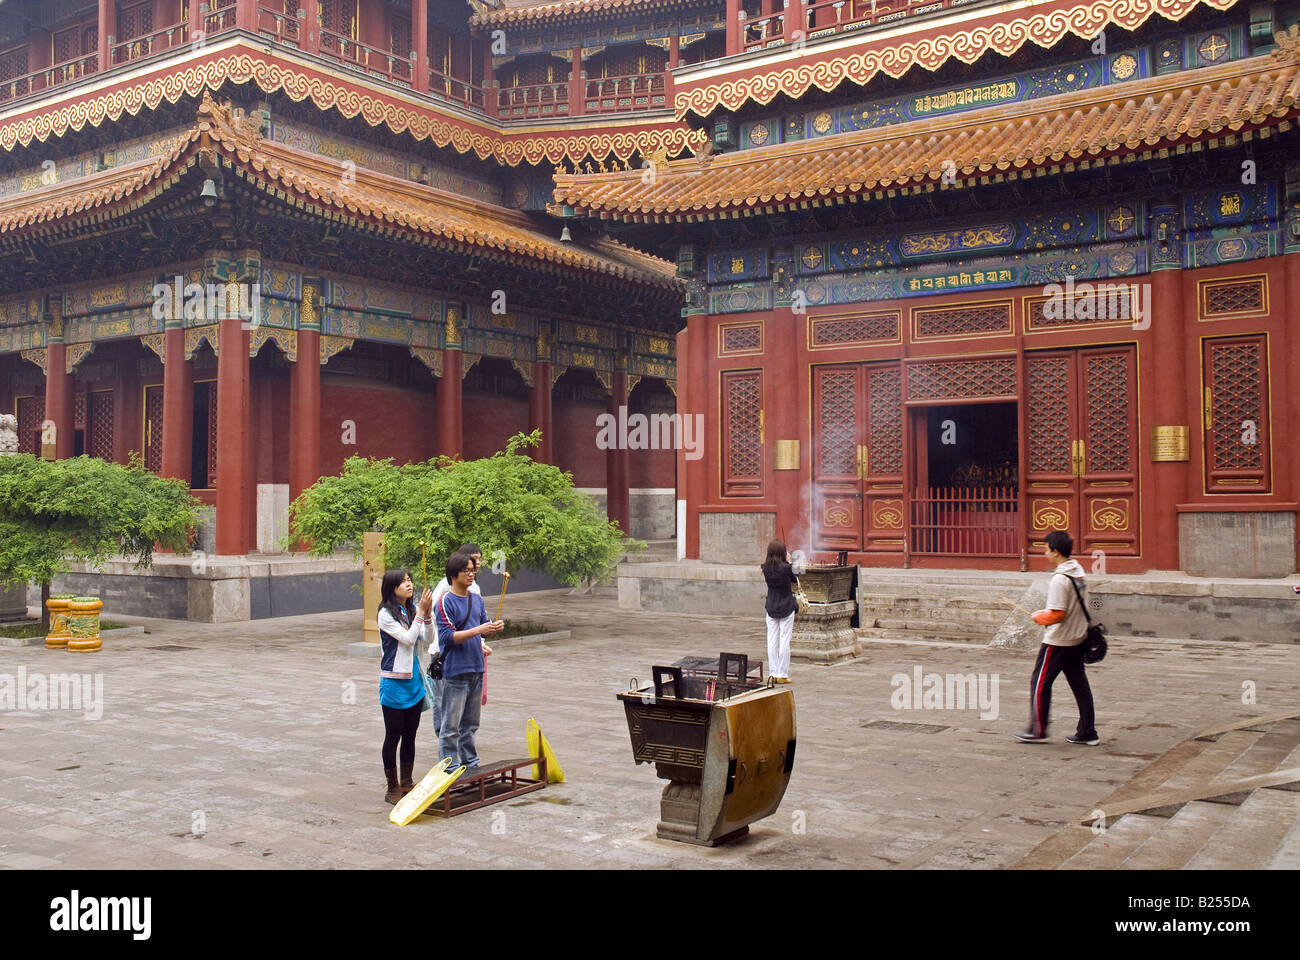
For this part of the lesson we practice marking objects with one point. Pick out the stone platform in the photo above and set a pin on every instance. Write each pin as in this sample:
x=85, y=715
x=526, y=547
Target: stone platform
x=213, y=589
x=967, y=605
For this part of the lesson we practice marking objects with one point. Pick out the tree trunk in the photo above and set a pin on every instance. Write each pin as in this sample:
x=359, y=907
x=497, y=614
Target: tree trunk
x=45, y=609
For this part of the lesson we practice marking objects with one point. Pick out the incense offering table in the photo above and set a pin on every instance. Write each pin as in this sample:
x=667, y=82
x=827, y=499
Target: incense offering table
x=723, y=740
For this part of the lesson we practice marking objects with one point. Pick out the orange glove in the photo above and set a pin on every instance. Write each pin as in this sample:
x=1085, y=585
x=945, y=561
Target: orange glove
x=1045, y=618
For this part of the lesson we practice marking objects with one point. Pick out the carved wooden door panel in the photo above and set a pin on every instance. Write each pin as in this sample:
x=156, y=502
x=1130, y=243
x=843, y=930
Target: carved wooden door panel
x=1083, y=448
x=882, y=458
x=1108, y=451
x=31, y=414
x=857, y=457
x=99, y=428
x=1235, y=415
x=837, y=457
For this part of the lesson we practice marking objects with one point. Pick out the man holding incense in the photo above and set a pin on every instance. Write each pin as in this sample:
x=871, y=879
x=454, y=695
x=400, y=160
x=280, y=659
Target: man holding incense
x=462, y=624
x=475, y=553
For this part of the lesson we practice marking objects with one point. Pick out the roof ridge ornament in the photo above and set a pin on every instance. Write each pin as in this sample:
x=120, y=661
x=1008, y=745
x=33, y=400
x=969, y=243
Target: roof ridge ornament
x=1288, y=44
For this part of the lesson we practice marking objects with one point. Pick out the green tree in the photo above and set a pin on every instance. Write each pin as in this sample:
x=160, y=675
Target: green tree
x=510, y=505
x=85, y=509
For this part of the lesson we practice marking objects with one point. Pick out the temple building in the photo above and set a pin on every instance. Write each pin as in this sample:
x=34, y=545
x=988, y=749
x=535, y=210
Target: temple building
x=933, y=277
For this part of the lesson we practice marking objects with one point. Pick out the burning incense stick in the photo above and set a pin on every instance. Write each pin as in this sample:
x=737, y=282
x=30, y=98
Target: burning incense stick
x=505, y=582
x=1028, y=613
x=424, y=568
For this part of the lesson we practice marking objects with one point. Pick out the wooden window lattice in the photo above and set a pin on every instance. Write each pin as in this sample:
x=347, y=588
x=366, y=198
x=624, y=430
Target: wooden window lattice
x=100, y=439
x=1236, y=374
x=134, y=22
x=742, y=339
x=848, y=330
x=1114, y=304
x=31, y=413
x=742, y=404
x=957, y=321
x=1235, y=298
x=961, y=379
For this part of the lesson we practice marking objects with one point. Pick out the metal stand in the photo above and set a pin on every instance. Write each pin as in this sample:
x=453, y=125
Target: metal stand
x=488, y=785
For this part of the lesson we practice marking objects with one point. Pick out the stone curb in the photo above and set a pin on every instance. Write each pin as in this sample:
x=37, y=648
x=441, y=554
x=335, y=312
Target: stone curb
x=40, y=641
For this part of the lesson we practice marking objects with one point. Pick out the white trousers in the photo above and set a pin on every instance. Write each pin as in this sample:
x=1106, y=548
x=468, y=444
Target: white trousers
x=778, y=645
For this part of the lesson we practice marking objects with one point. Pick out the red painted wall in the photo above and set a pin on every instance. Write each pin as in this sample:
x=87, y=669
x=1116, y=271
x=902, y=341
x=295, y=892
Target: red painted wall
x=575, y=441
x=390, y=421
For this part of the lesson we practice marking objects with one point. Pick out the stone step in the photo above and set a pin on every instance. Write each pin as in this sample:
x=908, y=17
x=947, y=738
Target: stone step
x=1287, y=856
x=1182, y=835
x=944, y=590
x=962, y=603
x=1109, y=848
x=991, y=618
x=1272, y=751
x=868, y=634
x=929, y=626
x=1210, y=763
x=1250, y=837
x=656, y=551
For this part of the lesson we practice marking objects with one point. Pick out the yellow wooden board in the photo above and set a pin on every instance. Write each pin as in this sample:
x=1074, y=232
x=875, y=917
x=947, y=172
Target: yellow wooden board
x=434, y=785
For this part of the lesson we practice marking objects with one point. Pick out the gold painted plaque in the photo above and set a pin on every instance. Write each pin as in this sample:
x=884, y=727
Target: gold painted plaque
x=1169, y=444
x=787, y=455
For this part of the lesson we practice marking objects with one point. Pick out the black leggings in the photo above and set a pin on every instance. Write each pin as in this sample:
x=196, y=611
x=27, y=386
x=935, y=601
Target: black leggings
x=400, y=725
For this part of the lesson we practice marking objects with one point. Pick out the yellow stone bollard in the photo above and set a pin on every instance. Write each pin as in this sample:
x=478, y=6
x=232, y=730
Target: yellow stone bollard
x=57, y=638
x=83, y=624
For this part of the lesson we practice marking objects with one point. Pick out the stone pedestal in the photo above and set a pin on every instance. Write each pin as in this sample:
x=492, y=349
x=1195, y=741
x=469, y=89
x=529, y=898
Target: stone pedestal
x=823, y=634
x=679, y=815
x=13, y=603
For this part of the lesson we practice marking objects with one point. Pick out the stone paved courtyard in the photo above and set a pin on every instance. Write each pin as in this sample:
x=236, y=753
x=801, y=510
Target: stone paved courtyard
x=242, y=752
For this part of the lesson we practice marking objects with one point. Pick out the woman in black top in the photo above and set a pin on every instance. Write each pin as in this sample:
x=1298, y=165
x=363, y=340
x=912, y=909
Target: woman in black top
x=780, y=608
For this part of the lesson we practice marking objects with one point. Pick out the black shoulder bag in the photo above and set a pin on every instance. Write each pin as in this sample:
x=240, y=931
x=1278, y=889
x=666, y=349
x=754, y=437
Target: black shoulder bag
x=1094, y=644
x=436, y=661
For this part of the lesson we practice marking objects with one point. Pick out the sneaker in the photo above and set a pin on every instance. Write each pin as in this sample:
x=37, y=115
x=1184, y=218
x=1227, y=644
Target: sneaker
x=1087, y=741
x=1027, y=736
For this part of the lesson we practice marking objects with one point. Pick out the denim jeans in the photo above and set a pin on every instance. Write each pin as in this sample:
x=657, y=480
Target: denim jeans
x=435, y=694
x=462, y=704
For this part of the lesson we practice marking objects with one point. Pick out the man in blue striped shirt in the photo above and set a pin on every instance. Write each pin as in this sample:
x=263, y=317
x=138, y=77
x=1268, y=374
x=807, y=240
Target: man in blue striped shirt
x=460, y=617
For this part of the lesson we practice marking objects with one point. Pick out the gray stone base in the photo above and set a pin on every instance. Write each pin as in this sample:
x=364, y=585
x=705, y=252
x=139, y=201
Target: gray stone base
x=13, y=604
x=823, y=635
x=736, y=537
x=363, y=649
x=1237, y=544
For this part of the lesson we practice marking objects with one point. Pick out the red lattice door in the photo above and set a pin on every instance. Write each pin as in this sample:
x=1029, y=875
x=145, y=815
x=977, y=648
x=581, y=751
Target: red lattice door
x=742, y=433
x=837, y=456
x=99, y=440
x=31, y=414
x=857, y=458
x=153, y=428
x=1083, y=449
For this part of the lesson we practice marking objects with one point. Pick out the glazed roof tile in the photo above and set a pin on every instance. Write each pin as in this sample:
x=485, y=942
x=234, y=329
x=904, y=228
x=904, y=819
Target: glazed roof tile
x=979, y=144
x=356, y=193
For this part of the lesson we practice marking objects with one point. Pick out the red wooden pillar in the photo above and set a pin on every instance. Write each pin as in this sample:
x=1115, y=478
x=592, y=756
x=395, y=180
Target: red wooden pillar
x=233, y=426
x=693, y=397
x=618, y=501
x=1163, y=308
x=178, y=407
x=795, y=16
x=107, y=28
x=59, y=403
x=310, y=37
x=733, y=27
x=304, y=414
x=577, y=86
x=420, y=66
x=539, y=409
x=450, y=426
